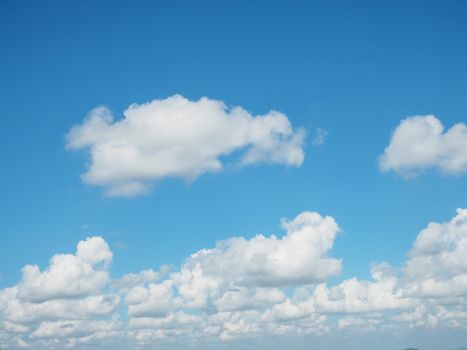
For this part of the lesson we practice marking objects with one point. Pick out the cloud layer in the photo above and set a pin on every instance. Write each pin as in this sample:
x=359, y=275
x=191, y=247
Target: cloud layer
x=420, y=143
x=177, y=137
x=64, y=305
x=239, y=289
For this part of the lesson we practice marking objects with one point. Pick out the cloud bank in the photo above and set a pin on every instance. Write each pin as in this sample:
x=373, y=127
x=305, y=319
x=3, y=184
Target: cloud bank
x=420, y=142
x=239, y=289
x=177, y=137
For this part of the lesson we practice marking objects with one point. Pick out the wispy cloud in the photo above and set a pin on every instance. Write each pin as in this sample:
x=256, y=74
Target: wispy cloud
x=320, y=137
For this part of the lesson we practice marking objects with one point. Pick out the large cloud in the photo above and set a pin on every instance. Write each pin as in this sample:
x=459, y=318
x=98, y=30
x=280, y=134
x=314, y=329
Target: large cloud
x=299, y=257
x=244, y=274
x=438, y=260
x=420, y=142
x=64, y=302
x=242, y=288
x=435, y=276
x=176, y=137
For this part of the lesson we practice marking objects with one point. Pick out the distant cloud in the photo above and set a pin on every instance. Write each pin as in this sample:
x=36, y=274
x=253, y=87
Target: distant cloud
x=177, y=137
x=420, y=143
x=320, y=136
x=239, y=289
x=121, y=245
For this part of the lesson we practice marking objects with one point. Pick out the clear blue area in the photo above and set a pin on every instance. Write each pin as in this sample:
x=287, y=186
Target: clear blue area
x=354, y=68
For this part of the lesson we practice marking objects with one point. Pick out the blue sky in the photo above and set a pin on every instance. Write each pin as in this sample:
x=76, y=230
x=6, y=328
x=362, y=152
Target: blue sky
x=353, y=69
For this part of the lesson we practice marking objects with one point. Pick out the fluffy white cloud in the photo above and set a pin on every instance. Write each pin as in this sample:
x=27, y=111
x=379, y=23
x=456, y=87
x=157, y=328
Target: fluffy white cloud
x=131, y=280
x=19, y=311
x=69, y=275
x=155, y=300
x=431, y=315
x=73, y=328
x=420, y=142
x=248, y=298
x=176, y=137
x=435, y=276
x=244, y=274
x=356, y=296
x=438, y=260
x=63, y=303
x=241, y=288
x=299, y=257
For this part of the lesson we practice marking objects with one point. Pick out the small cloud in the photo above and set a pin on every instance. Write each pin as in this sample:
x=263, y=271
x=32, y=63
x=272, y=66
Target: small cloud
x=121, y=245
x=421, y=142
x=320, y=136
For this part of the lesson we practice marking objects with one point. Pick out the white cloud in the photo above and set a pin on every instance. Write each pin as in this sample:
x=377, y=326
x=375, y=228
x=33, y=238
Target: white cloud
x=320, y=136
x=242, y=288
x=420, y=142
x=176, y=137
x=355, y=296
x=299, y=257
x=19, y=311
x=63, y=303
x=156, y=300
x=435, y=275
x=69, y=275
x=240, y=274
x=438, y=260
x=72, y=328
x=131, y=280
x=366, y=324
x=248, y=298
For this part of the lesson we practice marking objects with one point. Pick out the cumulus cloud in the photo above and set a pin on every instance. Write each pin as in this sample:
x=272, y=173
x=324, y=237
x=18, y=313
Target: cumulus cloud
x=420, y=143
x=438, y=260
x=241, y=288
x=244, y=274
x=249, y=298
x=64, y=302
x=130, y=280
x=435, y=276
x=299, y=257
x=177, y=137
x=69, y=275
x=356, y=296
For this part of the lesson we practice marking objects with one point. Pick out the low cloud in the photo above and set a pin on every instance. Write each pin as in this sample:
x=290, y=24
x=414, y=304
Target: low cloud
x=437, y=266
x=177, y=137
x=69, y=275
x=64, y=303
x=299, y=257
x=420, y=142
x=239, y=289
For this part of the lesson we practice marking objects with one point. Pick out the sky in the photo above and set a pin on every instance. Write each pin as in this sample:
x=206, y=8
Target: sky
x=233, y=175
